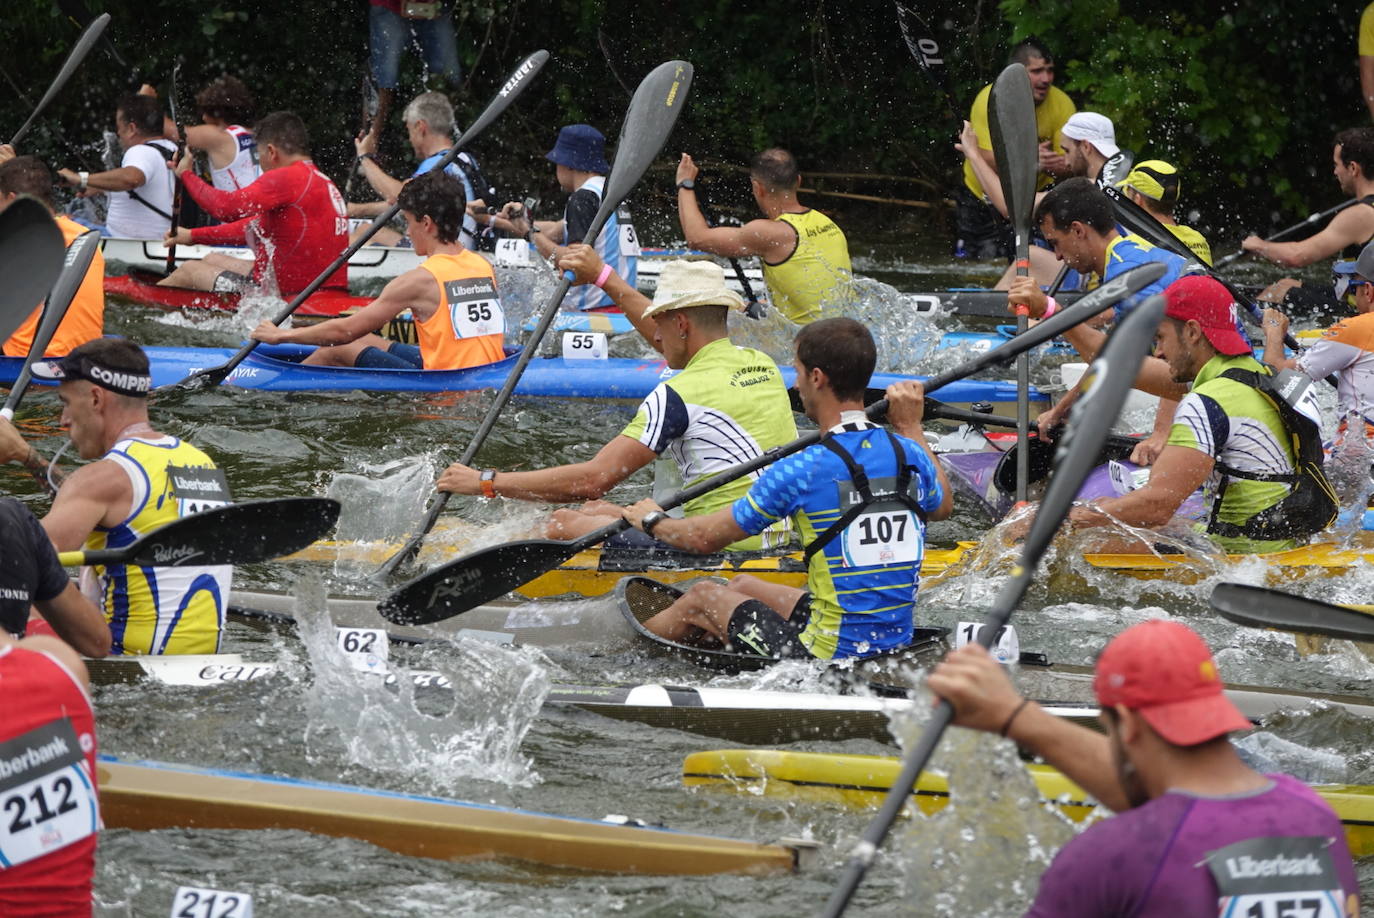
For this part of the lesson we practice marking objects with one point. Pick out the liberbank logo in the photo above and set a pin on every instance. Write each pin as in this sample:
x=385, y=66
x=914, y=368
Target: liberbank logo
x=1246, y=867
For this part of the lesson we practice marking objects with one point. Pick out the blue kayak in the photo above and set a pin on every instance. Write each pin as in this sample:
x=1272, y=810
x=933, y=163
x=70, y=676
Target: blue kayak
x=276, y=368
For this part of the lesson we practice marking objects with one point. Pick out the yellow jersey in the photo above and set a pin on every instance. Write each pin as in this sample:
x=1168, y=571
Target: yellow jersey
x=816, y=275
x=1193, y=240
x=1367, y=31
x=160, y=610
x=1050, y=116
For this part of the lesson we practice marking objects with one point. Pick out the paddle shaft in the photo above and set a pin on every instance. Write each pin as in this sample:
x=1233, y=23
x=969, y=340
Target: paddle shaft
x=518, y=81
x=1290, y=230
x=74, y=58
x=80, y=254
x=179, y=195
x=369, y=112
x=650, y=118
x=1115, y=371
x=753, y=307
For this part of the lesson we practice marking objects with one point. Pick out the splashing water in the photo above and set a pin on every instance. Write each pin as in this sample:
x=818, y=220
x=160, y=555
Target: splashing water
x=496, y=692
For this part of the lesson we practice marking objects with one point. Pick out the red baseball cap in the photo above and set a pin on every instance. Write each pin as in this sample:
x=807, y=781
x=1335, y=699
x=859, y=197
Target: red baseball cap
x=1164, y=671
x=1204, y=300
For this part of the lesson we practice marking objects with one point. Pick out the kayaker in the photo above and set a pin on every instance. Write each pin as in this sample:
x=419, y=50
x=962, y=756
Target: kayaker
x=579, y=159
x=140, y=190
x=1346, y=349
x=452, y=295
x=1155, y=186
x=1196, y=830
x=1248, y=446
x=292, y=217
x=726, y=406
x=31, y=577
x=143, y=479
x=861, y=496
x=1077, y=221
x=804, y=254
x=85, y=318
x=1089, y=141
x=52, y=811
x=231, y=148
x=983, y=232
x=1352, y=157
x=429, y=126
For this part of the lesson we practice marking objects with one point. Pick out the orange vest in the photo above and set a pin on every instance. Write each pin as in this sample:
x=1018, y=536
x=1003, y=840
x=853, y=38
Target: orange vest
x=85, y=318
x=469, y=326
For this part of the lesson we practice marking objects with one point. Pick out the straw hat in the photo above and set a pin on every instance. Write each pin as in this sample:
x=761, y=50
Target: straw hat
x=683, y=284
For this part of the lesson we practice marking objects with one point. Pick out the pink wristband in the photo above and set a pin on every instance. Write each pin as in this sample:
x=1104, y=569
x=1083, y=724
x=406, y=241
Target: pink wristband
x=1050, y=306
x=605, y=274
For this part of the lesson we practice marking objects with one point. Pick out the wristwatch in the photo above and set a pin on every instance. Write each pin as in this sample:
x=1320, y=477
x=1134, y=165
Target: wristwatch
x=487, y=482
x=652, y=519
x=689, y=184
x=533, y=229
x=85, y=178
x=363, y=156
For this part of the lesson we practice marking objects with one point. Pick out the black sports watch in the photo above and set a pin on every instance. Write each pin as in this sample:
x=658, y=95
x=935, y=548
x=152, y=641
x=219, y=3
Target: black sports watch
x=689, y=184
x=652, y=519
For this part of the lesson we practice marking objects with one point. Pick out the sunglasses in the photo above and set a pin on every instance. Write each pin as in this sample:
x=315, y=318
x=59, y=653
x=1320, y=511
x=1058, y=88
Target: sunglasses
x=1348, y=285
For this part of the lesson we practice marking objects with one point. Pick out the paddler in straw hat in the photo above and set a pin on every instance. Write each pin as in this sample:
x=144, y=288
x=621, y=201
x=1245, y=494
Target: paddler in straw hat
x=141, y=480
x=1197, y=831
x=727, y=405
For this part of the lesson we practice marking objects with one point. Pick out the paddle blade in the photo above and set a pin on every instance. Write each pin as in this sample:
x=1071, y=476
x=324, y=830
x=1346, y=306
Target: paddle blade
x=921, y=43
x=1258, y=607
x=518, y=81
x=1011, y=118
x=80, y=254
x=237, y=534
x=473, y=579
x=654, y=109
x=31, y=253
x=74, y=58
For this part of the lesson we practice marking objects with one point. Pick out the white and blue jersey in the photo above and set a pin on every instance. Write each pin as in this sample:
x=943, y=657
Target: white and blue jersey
x=468, y=237
x=617, y=243
x=863, y=580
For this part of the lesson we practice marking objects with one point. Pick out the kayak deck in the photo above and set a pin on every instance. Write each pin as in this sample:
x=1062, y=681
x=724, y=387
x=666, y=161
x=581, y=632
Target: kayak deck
x=145, y=795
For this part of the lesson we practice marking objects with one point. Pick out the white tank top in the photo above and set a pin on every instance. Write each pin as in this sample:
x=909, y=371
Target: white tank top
x=244, y=168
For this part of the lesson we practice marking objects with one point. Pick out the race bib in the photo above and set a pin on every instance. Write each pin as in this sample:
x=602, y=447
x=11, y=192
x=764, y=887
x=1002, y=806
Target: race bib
x=198, y=489
x=47, y=800
x=198, y=902
x=1126, y=480
x=629, y=241
x=1005, y=647
x=474, y=308
x=1277, y=878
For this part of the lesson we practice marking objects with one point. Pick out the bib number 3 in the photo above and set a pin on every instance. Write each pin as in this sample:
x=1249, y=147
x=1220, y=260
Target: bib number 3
x=882, y=537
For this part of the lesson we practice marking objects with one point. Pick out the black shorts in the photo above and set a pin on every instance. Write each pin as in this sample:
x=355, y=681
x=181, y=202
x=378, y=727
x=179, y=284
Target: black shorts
x=757, y=629
x=981, y=231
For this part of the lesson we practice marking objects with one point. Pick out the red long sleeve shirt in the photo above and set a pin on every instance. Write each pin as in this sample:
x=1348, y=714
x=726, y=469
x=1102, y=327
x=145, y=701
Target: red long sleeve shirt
x=298, y=218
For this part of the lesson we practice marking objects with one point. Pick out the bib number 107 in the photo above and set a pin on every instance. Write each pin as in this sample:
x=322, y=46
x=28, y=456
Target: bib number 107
x=1006, y=647
x=882, y=537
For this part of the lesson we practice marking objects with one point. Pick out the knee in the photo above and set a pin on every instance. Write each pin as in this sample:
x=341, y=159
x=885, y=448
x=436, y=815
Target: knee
x=743, y=583
x=559, y=522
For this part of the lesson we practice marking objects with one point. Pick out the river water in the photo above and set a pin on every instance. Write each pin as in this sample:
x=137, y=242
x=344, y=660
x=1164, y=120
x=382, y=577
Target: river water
x=491, y=742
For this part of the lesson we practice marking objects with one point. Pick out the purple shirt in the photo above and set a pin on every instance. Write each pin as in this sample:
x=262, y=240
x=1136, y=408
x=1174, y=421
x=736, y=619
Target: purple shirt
x=1148, y=861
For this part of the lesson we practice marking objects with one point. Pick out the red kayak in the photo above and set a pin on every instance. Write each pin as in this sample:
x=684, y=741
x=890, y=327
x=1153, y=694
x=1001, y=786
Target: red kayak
x=143, y=289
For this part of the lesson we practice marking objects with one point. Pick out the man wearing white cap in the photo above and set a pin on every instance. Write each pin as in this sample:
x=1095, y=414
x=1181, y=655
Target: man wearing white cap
x=1089, y=141
x=727, y=405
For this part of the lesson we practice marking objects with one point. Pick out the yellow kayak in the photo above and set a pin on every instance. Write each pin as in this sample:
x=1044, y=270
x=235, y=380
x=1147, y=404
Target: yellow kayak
x=1309, y=560
x=863, y=780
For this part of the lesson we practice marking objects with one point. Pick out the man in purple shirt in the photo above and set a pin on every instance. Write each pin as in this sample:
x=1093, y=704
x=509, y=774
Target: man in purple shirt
x=1197, y=832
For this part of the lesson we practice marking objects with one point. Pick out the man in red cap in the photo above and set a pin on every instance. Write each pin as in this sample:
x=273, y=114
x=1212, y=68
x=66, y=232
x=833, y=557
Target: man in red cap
x=1197, y=831
x=1227, y=433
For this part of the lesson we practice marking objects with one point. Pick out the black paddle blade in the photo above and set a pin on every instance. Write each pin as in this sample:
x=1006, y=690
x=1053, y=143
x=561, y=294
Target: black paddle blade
x=31, y=252
x=473, y=579
x=920, y=41
x=1258, y=607
x=237, y=534
x=74, y=58
x=1011, y=118
x=649, y=120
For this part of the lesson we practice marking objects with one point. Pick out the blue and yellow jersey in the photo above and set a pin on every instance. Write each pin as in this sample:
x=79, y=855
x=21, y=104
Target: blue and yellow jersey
x=863, y=583
x=1126, y=252
x=160, y=610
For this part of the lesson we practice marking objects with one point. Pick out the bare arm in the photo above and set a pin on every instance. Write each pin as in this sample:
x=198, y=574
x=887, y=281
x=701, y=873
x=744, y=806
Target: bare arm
x=1351, y=226
x=414, y=290
x=590, y=480
x=125, y=178
x=984, y=167
x=905, y=409
x=1177, y=473
x=702, y=534
x=77, y=621
x=1367, y=81
x=586, y=267
x=93, y=495
x=1275, y=327
x=386, y=187
x=216, y=142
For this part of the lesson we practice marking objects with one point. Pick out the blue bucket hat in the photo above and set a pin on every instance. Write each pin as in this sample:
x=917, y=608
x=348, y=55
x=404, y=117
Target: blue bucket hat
x=581, y=147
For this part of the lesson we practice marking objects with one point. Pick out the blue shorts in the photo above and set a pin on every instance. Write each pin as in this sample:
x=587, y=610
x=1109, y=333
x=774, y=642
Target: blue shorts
x=390, y=33
x=396, y=357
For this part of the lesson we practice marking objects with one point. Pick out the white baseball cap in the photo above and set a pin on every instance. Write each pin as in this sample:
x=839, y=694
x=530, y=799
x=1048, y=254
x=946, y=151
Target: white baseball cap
x=1092, y=128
